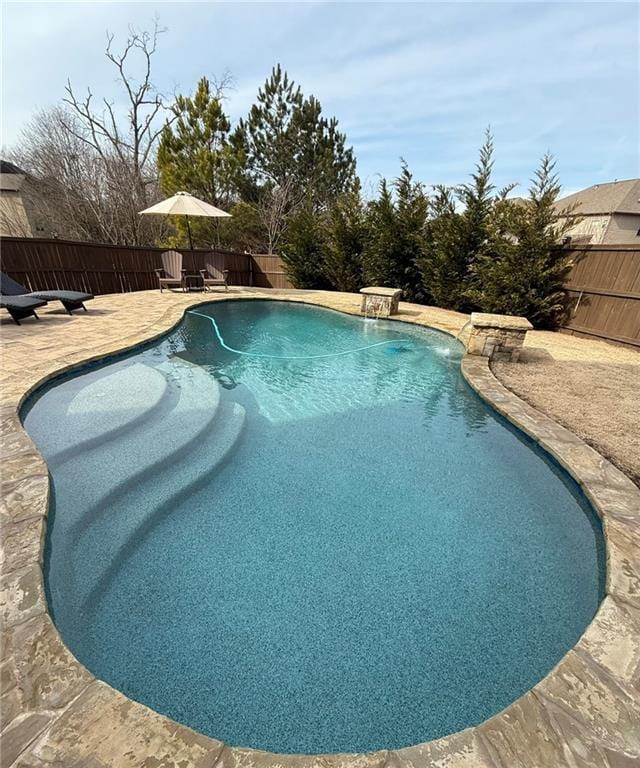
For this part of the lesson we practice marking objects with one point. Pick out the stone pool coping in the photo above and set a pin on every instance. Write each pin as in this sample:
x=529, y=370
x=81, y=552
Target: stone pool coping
x=585, y=712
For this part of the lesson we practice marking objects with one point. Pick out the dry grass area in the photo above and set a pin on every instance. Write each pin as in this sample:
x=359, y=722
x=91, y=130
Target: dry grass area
x=589, y=386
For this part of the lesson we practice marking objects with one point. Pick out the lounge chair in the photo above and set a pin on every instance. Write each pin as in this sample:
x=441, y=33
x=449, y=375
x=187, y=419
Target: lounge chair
x=10, y=291
x=172, y=275
x=214, y=272
x=20, y=307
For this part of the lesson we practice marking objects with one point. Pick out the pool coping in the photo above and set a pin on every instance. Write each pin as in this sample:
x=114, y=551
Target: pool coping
x=585, y=711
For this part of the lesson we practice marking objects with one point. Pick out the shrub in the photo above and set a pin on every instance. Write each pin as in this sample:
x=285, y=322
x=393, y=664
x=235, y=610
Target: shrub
x=443, y=264
x=395, y=240
x=345, y=242
x=304, y=248
x=521, y=270
x=454, y=240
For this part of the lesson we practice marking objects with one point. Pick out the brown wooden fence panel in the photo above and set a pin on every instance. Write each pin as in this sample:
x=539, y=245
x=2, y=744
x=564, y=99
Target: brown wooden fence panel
x=97, y=268
x=604, y=293
x=268, y=272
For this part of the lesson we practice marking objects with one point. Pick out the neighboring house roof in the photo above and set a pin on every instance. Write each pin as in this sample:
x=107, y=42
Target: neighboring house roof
x=614, y=197
x=7, y=167
x=519, y=200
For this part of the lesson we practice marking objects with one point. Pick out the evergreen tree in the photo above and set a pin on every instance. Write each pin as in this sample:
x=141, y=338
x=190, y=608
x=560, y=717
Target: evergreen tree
x=377, y=260
x=266, y=133
x=345, y=243
x=323, y=165
x=444, y=260
x=395, y=242
x=243, y=231
x=522, y=270
x=455, y=240
x=286, y=138
x=303, y=250
x=196, y=155
x=477, y=199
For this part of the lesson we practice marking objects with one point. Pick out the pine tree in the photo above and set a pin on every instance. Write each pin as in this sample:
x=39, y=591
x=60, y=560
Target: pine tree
x=266, y=132
x=395, y=242
x=323, y=165
x=522, y=269
x=196, y=155
x=288, y=142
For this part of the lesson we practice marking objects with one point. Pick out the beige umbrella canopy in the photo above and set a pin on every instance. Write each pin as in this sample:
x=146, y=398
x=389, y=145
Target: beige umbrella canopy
x=184, y=204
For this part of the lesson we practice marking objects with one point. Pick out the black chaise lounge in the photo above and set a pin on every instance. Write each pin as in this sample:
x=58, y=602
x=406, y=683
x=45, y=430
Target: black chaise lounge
x=20, y=307
x=20, y=304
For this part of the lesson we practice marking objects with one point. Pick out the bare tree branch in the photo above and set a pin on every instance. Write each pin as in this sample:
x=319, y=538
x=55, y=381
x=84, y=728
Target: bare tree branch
x=101, y=130
x=277, y=204
x=80, y=193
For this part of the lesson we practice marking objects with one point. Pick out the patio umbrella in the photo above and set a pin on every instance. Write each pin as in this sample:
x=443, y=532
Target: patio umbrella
x=184, y=204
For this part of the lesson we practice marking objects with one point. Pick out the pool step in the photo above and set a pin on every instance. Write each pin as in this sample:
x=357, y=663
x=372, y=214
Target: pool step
x=116, y=534
x=84, y=415
x=112, y=468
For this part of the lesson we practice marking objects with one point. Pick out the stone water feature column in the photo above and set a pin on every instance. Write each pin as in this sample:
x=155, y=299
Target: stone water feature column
x=380, y=302
x=498, y=337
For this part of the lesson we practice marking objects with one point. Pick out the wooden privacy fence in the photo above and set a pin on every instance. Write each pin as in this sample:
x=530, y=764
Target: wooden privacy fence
x=49, y=264
x=604, y=293
x=603, y=287
x=268, y=271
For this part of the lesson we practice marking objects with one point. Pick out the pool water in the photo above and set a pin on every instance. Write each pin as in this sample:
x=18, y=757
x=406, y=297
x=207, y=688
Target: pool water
x=308, y=555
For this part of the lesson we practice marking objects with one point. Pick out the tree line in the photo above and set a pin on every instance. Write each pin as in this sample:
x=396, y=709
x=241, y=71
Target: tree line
x=288, y=177
x=465, y=248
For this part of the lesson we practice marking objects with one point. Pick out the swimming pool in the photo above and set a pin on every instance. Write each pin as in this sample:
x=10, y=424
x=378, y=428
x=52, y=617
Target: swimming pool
x=337, y=553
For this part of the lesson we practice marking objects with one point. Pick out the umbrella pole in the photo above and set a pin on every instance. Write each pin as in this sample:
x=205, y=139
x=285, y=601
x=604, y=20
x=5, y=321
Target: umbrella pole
x=189, y=231
x=193, y=255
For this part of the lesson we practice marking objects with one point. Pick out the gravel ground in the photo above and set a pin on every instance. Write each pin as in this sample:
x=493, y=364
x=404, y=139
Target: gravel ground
x=589, y=386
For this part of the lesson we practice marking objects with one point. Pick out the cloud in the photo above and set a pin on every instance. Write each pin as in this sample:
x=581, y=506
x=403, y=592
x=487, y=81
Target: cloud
x=420, y=81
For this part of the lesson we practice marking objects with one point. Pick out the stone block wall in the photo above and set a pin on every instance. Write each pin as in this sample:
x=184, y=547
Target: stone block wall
x=496, y=343
x=380, y=302
x=498, y=337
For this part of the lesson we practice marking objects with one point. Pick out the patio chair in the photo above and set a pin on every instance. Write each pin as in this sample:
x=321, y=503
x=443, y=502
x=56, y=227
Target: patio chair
x=171, y=274
x=214, y=272
x=70, y=300
x=20, y=307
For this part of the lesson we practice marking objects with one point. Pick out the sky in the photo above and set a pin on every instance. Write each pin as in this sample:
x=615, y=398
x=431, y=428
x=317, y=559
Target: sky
x=419, y=81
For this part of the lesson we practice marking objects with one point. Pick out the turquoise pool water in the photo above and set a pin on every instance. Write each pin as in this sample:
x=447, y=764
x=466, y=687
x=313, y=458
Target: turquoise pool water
x=308, y=555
